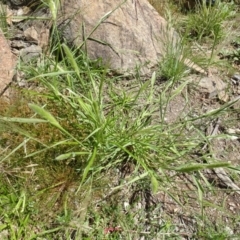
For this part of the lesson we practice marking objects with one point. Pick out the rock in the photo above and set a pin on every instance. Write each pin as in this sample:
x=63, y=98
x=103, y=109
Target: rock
x=214, y=86
x=18, y=3
x=133, y=35
x=29, y=53
x=36, y=31
x=31, y=34
x=236, y=79
x=19, y=44
x=7, y=65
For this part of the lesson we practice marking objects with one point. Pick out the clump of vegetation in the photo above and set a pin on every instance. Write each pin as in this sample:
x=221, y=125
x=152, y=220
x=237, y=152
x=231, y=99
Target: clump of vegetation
x=172, y=66
x=207, y=20
x=3, y=21
x=84, y=156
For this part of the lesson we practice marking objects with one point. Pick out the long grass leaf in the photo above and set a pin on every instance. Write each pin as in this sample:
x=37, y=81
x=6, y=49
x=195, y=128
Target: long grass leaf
x=51, y=119
x=154, y=183
x=22, y=120
x=89, y=165
x=64, y=142
x=69, y=155
x=197, y=167
x=71, y=58
x=143, y=175
x=51, y=74
x=46, y=115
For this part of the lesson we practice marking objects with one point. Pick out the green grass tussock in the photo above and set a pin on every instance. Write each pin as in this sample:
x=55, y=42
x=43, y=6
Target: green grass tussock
x=89, y=154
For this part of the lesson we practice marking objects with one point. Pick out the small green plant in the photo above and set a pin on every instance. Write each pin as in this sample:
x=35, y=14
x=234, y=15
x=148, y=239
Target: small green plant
x=172, y=66
x=207, y=21
x=14, y=211
x=4, y=21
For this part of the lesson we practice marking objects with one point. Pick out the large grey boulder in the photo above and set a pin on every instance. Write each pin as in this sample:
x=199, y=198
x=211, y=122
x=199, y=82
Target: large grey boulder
x=134, y=34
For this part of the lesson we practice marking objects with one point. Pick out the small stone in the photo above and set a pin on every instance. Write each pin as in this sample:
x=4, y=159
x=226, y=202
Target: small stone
x=232, y=209
x=19, y=44
x=31, y=52
x=232, y=204
x=214, y=86
x=229, y=231
x=31, y=34
x=236, y=77
x=126, y=205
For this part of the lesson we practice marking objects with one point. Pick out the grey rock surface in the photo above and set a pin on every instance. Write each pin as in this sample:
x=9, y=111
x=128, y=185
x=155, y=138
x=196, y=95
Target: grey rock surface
x=214, y=86
x=29, y=53
x=134, y=34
